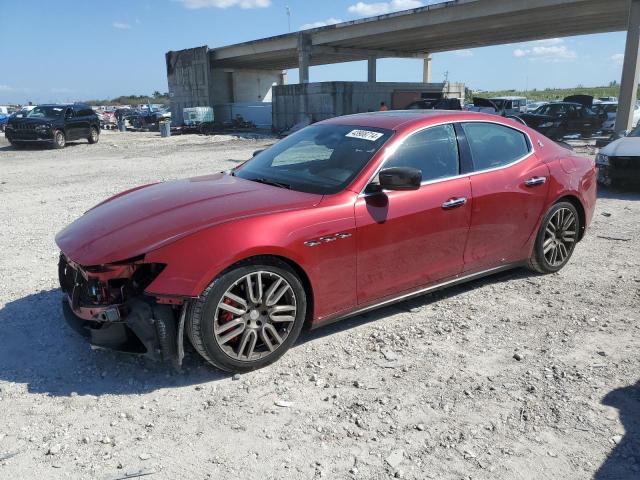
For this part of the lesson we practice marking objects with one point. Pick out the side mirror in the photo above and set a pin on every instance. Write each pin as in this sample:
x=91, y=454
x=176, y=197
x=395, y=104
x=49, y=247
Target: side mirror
x=398, y=178
x=258, y=152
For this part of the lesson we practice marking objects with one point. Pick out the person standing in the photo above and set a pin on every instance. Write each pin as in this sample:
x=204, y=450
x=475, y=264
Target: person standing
x=383, y=107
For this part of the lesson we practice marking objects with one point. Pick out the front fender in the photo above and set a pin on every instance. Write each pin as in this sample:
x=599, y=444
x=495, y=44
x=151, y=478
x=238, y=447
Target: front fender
x=196, y=260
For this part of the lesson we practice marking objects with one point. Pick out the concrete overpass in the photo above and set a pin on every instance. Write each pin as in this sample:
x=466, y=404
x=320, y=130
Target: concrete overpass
x=452, y=25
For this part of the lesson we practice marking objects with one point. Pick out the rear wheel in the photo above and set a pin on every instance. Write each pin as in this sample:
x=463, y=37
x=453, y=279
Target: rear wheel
x=249, y=316
x=59, y=139
x=556, y=239
x=94, y=135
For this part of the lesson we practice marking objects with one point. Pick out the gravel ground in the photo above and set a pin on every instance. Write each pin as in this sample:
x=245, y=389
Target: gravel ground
x=516, y=376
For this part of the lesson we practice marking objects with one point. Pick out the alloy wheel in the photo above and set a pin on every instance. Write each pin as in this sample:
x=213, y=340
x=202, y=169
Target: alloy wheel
x=60, y=140
x=255, y=316
x=559, y=237
x=94, y=135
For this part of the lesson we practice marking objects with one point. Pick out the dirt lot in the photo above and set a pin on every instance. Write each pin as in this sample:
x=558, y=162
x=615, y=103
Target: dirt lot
x=425, y=389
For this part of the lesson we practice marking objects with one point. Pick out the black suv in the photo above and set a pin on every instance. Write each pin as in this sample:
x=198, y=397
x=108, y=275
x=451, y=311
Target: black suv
x=54, y=124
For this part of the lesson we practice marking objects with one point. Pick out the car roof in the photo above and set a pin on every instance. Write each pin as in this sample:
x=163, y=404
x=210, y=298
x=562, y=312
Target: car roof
x=398, y=119
x=508, y=98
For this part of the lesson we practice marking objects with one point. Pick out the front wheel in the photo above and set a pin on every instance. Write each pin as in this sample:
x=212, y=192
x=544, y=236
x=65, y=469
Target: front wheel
x=249, y=316
x=556, y=239
x=59, y=139
x=94, y=135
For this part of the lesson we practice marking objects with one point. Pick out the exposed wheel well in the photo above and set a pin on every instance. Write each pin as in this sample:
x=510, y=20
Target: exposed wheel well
x=575, y=201
x=304, y=278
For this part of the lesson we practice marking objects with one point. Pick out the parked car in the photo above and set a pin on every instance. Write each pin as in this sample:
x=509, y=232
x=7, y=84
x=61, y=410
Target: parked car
x=435, y=104
x=341, y=217
x=3, y=121
x=559, y=119
x=619, y=161
x=504, y=106
x=611, y=110
x=53, y=124
x=533, y=106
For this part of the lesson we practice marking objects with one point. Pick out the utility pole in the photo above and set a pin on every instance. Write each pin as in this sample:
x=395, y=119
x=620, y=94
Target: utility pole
x=288, y=10
x=446, y=76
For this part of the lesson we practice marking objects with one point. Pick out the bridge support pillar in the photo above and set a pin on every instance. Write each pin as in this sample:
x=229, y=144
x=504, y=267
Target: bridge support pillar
x=630, y=71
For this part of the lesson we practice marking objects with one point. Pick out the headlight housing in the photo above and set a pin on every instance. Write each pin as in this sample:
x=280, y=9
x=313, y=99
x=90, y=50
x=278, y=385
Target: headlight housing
x=602, y=160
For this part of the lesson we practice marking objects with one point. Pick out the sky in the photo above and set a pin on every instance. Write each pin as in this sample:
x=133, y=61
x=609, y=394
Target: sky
x=83, y=50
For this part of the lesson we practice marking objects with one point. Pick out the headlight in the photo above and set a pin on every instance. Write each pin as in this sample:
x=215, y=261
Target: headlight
x=9, y=126
x=546, y=125
x=602, y=160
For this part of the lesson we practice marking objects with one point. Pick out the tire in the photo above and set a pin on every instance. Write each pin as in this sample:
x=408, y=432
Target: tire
x=251, y=343
x=59, y=139
x=558, y=233
x=94, y=135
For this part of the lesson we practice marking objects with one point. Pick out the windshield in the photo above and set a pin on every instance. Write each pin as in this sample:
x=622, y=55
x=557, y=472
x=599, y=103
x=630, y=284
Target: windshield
x=552, y=109
x=321, y=159
x=46, y=112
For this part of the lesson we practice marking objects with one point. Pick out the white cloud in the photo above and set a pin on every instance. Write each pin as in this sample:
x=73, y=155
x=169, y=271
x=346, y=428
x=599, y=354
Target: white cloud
x=463, y=53
x=556, y=53
x=246, y=4
x=121, y=25
x=321, y=23
x=6, y=88
x=364, y=9
x=618, y=58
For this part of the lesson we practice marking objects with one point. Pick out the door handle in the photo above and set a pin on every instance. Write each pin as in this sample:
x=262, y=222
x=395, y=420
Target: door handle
x=454, y=202
x=532, y=182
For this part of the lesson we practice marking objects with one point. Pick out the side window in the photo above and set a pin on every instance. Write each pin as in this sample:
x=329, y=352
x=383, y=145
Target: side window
x=434, y=151
x=494, y=145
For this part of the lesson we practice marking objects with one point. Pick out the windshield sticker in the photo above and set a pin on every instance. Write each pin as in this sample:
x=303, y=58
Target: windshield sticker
x=364, y=135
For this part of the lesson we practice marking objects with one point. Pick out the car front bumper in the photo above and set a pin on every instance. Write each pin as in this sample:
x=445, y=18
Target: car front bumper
x=29, y=135
x=148, y=330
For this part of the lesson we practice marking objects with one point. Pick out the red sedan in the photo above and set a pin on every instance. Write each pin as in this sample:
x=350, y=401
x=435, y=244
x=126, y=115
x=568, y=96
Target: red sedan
x=341, y=217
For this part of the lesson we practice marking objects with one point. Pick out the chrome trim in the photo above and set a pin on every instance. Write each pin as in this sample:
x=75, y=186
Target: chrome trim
x=454, y=202
x=420, y=291
x=389, y=152
x=532, y=182
x=312, y=243
x=343, y=235
x=329, y=238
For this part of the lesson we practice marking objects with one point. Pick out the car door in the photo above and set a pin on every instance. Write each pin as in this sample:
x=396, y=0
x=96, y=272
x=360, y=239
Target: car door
x=72, y=124
x=509, y=187
x=410, y=238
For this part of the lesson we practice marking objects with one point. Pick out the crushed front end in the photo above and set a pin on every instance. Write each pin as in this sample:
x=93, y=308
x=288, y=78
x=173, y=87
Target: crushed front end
x=108, y=305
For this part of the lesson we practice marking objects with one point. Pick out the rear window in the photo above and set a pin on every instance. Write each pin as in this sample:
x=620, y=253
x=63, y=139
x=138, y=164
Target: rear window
x=493, y=145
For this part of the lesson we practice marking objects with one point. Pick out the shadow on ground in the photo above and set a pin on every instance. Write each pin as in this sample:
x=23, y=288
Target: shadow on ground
x=624, y=460
x=414, y=303
x=39, y=349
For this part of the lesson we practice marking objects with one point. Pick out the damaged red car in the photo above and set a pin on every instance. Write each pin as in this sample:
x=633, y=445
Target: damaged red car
x=344, y=216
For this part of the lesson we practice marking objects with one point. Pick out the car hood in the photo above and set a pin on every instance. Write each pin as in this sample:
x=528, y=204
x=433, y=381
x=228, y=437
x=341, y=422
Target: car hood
x=32, y=121
x=584, y=100
x=623, y=147
x=480, y=102
x=143, y=219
